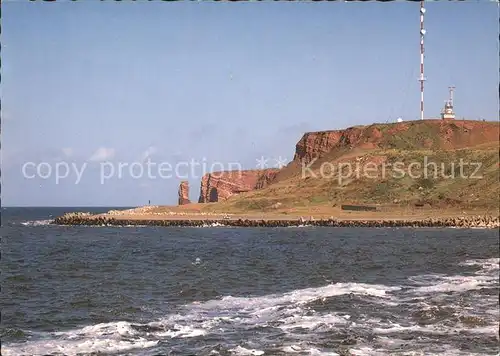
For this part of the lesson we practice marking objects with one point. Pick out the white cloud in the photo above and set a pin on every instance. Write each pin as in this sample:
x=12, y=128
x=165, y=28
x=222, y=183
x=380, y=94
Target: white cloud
x=67, y=151
x=103, y=154
x=146, y=154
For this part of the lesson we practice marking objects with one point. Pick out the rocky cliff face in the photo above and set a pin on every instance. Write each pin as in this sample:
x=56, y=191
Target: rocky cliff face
x=220, y=186
x=317, y=144
x=434, y=134
x=184, y=193
x=266, y=178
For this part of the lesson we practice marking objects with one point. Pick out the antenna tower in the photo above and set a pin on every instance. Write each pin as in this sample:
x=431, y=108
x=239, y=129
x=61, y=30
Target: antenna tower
x=451, y=95
x=422, y=78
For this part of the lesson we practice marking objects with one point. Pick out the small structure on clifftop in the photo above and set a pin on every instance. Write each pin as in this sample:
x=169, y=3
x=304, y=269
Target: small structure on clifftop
x=184, y=193
x=447, y=113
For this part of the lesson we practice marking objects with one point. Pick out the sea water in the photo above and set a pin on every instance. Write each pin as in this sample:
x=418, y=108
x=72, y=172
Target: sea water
x=254, y=291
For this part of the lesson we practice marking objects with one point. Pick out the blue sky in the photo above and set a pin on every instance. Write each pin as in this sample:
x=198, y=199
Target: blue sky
x=85, y=82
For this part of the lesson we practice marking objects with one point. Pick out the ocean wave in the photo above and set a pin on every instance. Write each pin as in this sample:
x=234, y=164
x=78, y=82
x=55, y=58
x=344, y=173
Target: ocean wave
x=37, y=222
x=488, y=265
x=435, y=308
x=216, y=224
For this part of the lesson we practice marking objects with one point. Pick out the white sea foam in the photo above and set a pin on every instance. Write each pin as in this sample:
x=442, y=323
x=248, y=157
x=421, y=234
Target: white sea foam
x=182, y=331
x=316, y=352
x=199, y=319
x=488, y=265
x=293, y=313
x=312, y=322
x=297, y=297
x=366, y=351
x=292, y=349
x=215, y=224
x=441, y=350
x=37, y=222
x=486, y=277
x=306, y=350
x=244, y=351
x=434, y=329
x=75, y=347
x=457, y=284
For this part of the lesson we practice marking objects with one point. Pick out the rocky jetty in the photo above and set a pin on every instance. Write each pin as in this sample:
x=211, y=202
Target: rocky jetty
x=76, y=216
x=100, y=220
x=184, y=193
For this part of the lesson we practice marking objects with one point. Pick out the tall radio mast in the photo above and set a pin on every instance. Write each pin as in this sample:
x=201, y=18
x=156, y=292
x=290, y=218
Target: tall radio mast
x=422, y=78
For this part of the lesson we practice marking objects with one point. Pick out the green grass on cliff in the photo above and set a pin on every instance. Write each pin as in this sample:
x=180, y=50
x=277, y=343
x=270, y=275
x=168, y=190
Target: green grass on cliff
x=452, y=184
x=415, y=136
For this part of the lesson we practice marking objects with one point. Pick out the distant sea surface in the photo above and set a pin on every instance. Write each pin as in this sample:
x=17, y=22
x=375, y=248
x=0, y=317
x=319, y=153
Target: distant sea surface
x=245, y=291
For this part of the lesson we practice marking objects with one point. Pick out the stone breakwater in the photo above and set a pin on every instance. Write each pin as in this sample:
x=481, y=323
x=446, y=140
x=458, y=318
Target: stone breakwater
x=85, y=219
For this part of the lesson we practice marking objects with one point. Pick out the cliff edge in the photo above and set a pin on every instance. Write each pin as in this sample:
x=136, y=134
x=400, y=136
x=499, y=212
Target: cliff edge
x=411, y=135
x=219, y=186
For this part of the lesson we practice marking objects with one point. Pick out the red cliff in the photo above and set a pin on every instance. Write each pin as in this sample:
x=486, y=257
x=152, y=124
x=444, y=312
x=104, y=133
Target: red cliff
x=317, y=144
x=434, y=134
x=184, y=193
x=220, y=186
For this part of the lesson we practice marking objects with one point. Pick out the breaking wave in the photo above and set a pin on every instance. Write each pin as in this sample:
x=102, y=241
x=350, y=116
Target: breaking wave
x=37, y=222
x=429, y=314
